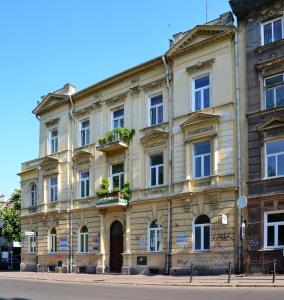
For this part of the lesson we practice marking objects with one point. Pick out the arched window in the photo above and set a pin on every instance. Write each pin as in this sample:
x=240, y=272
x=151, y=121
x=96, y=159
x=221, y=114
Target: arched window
x=83, y=246
x=52, y=248
x=154, y=237
x=33, y=194
x=201, y=233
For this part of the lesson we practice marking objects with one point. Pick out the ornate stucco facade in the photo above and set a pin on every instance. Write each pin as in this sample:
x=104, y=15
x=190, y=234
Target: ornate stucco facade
x=180, y=164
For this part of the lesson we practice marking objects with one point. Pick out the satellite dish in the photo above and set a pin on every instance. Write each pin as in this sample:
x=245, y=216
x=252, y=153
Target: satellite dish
x=242, y=202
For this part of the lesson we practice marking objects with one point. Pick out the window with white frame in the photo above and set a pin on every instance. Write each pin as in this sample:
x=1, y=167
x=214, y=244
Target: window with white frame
x=155, y=110
x=274, y=91
x=53, y=137
x=84, y=132
x=52, y=240
x=156, y=169
x=117, y=175
x=202, y=159
x=53, y=189
x=84, y=235
x=33, y=195
x=154, y=237
x=274, y=159
x=272, y=31
x=274, y=229
x=201, y=93
x=201, y=233
x=117, y=118
x=32, y=244
x=84, y=184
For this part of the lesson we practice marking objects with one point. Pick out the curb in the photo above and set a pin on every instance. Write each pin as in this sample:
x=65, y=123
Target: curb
x=188, y=285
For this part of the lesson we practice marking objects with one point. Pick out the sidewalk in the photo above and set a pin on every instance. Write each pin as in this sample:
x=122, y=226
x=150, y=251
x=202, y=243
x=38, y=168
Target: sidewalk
x=157, y=280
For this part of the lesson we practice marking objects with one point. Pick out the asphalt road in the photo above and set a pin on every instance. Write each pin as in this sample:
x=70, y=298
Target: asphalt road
x=31, y=290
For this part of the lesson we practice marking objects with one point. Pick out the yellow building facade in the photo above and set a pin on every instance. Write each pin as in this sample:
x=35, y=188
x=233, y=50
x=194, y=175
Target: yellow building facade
x=138, y=173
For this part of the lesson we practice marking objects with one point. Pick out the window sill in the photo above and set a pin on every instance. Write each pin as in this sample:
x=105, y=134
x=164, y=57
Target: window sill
x=150, y=127
x=201, y=251
x=263, y=48
x=155, y=252
x=267, y=249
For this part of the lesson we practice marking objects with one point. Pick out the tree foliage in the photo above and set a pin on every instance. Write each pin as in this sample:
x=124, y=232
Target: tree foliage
x=10, y=214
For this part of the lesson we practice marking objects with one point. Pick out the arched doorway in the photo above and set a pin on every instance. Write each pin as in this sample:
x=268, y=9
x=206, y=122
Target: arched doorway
x=116, y=247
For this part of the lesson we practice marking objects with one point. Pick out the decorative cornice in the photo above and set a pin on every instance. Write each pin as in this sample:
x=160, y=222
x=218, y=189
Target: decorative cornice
x=201, y=65
x=274, y=122
x=117, y=99
x=154, y=84
x=52, y=122
x=272, y=65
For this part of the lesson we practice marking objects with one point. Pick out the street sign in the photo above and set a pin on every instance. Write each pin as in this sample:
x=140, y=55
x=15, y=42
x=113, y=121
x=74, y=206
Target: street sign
x=63, y=245
x=224, y=219
x=30, y=233
x=242, y=202
x=17, y=244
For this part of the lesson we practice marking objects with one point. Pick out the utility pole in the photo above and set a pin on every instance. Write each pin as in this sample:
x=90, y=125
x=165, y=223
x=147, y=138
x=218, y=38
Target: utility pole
x=206, y=9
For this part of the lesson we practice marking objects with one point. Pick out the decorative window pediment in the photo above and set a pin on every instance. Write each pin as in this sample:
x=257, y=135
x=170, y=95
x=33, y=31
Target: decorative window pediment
x=199, y=118
x=49, y=164
x=82, y=157
x=199, y=37
x=270, y=66
x=200, y=125
x=154, y=135
x=273, y=123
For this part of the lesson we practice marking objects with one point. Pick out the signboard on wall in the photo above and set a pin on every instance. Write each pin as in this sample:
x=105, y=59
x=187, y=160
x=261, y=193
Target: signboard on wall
x=63, y=244
x=181, y=239
x=142, y=241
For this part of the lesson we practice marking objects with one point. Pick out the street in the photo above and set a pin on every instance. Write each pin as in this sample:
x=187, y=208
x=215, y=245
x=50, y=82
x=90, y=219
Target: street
x=11, y=289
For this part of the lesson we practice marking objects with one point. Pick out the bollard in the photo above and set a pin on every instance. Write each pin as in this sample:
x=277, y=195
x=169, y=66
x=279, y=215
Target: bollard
x=274, y=270
x=191, y=273
x=229, y=272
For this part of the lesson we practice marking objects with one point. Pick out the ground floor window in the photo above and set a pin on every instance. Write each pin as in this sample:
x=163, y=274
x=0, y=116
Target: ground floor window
x=52, y=239
x=201, y=233
x=83, y=240
x=32, y=244
x=274, y=229
x=155, y=237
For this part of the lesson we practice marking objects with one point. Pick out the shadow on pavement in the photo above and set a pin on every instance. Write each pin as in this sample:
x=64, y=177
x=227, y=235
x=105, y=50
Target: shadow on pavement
x=14, y=298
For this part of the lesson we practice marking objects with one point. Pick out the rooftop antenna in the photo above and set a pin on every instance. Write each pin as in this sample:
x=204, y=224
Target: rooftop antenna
x=206, y=8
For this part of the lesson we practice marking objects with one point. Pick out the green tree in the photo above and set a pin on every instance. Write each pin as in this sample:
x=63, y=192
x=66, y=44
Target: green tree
x=10, y=214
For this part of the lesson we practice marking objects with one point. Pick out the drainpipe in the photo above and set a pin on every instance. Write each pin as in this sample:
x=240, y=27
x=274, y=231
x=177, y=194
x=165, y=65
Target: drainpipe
x=239, y=166
x=72, y=189
x=170, y=156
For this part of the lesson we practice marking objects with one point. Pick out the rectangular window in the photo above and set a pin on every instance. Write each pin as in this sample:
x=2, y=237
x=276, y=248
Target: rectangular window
x=155, y=239
x=156, y=169
x=117, y=175
x=155, y=110
x=274, y=91
x=84, y=133
x=274, y=159
x=272, y=31
x=202, y=159
x=118, y=118
x=32, y=244
x=274, y=230
x=201, y=93
x=53, y=189
x=202, y=237
x=53, y=136
x=84, y=184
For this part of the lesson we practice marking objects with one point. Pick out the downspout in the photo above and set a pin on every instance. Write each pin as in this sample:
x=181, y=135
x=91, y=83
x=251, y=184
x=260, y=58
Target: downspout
x=239, y=166
x=71, y=190
x=170, y=156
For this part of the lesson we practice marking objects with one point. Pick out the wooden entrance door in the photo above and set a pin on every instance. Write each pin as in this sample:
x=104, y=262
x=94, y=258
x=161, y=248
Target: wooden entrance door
x=116, y=247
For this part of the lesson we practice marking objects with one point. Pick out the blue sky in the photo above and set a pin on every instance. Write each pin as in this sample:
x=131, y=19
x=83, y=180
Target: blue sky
x=47, y=43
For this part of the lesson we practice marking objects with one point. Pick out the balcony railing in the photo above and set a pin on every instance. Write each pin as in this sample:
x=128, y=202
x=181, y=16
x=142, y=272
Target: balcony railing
x=111, y=199
x=116, y=140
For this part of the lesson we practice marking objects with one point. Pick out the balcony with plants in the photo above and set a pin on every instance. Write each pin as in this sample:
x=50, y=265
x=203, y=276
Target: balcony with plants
x=107, y=197
x=116, y=140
